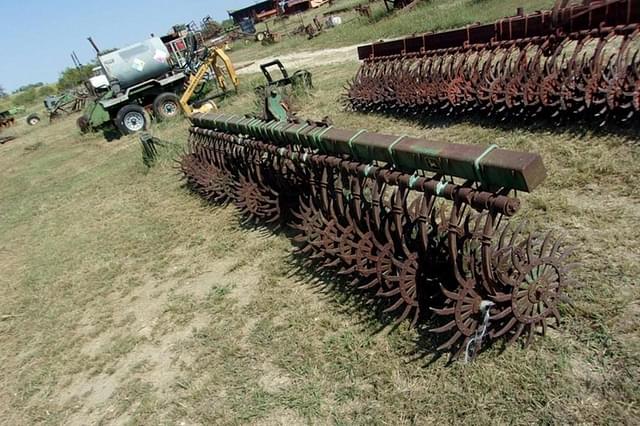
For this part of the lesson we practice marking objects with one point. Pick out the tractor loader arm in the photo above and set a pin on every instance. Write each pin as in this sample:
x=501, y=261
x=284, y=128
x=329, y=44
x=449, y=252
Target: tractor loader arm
x=210, y=63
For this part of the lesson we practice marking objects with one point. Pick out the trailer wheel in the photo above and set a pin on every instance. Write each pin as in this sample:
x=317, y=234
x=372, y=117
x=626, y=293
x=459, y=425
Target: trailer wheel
x=166, y=105
x=33, y=119
x=132, y=119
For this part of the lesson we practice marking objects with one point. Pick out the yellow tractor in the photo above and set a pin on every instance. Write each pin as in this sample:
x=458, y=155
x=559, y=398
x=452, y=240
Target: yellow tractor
x=218, y=66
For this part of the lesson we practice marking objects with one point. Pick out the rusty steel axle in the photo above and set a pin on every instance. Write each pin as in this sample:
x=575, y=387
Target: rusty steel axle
x=574, y=60
x=491, y=166
x=430, y=244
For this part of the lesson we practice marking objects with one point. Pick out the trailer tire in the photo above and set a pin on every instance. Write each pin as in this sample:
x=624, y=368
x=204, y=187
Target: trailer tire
x=33, y=119
x=166, y=105
x=132, y=119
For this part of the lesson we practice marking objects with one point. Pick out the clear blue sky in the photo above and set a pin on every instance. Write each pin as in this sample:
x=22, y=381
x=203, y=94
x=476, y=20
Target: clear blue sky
x=39, y=35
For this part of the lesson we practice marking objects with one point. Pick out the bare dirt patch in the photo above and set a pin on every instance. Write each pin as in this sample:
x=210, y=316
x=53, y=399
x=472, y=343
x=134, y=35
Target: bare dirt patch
x=273, y=380
x=158, y=357
x=305, y=59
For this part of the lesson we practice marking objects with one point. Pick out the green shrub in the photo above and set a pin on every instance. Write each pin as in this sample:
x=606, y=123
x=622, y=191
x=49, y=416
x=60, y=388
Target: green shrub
x=72, y=77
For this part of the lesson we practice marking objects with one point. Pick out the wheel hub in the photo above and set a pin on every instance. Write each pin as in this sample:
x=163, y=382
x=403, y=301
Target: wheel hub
x=134, y=121
x=170, y=108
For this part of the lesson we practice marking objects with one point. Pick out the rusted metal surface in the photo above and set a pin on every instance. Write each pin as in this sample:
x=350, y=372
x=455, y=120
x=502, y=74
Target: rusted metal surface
x=434, y=246
x=5, y=139
x=7, y=122
x=65, y=104
x=574, y=60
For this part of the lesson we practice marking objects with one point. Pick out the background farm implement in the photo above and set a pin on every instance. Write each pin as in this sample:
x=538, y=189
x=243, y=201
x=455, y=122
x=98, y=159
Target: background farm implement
x=574, y=60
x=8, y=117
x=66, y=103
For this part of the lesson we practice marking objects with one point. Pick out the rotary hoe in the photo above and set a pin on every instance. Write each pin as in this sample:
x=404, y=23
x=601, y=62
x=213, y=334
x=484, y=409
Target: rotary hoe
x=576, y=60
x=423, y=227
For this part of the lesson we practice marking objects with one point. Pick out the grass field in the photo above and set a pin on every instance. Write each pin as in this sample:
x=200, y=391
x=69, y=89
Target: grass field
x=127, y=300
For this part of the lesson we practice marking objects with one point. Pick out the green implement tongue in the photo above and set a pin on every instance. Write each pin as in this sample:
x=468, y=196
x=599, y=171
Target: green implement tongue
x=490, y=166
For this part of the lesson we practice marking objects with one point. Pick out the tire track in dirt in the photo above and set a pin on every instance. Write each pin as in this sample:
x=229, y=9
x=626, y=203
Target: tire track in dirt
x=306, y=59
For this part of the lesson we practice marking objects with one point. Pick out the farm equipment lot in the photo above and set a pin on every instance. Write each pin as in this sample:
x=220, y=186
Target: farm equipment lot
x=356, y=29
x=128, y=299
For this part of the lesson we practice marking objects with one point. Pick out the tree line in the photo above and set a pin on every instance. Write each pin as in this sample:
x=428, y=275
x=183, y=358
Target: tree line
x=28, y=94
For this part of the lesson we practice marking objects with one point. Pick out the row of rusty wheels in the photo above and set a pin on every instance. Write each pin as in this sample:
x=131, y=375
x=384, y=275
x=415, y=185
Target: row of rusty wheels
x=593, y=76
x=473, y=276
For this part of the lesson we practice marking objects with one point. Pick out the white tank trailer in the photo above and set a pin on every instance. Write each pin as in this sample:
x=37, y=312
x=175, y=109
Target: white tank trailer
x=136, y=63
x=140, y=77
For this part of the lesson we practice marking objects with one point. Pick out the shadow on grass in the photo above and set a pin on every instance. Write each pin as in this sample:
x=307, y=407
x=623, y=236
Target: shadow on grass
x=343, y=292
x=371, y=311
x=577, y=125
x=111, y=134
